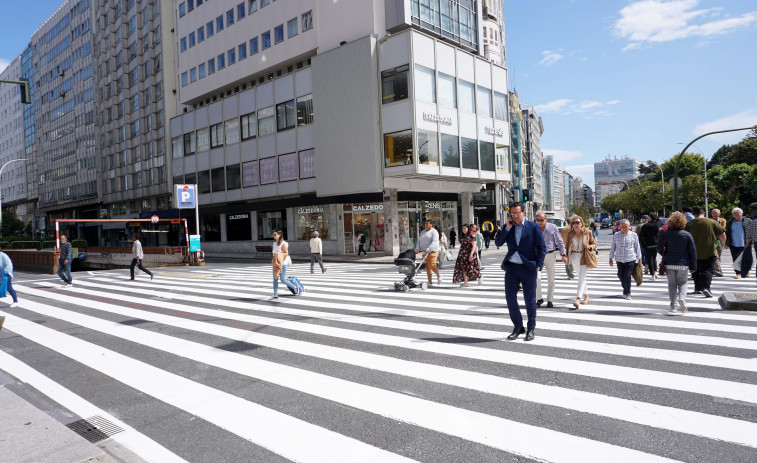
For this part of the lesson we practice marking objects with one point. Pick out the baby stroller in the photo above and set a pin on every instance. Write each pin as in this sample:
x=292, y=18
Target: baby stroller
x=406, y=265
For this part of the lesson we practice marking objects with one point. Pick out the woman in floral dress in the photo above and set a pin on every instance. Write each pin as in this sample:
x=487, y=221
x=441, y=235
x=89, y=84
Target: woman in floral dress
x=467, y=266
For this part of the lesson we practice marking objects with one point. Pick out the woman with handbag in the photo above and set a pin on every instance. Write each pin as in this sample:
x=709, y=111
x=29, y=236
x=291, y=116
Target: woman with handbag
x=467, y=266
x=679, y=258
x=581, y=245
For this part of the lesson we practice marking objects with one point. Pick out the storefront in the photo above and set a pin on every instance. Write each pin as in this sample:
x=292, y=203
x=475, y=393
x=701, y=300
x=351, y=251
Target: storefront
x=366, y=218
x=310, y=219
x=410, y=218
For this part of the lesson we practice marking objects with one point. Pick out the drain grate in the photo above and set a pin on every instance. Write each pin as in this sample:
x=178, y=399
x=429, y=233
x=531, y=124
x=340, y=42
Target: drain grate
x=94, y=429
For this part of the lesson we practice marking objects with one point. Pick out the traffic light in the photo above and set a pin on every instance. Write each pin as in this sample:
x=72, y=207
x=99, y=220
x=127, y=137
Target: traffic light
x=526, y=195
x=515, y=195
x=24, y=87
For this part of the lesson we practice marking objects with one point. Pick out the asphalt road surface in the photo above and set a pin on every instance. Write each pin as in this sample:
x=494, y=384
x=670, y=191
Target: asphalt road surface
x=200, y=366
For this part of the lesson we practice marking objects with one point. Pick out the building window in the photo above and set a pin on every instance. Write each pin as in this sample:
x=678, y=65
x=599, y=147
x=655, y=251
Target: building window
x=266, y=121
x=190, y=143
x=483, y=101
x=200, y=34
x=232, y=56
x=278, y=33
x=307, y=21
x=398, y=148
x=203, y=182
x=500, y=106
x=268, y=221
x=193, y=75
x=502, y=158
x=253, y=46
x=230, y=17
x=182, y=9
x=428, y=147
x=253, y=6
x=292, y=29
x=216, y=135
x=285, y=115
x=192, y=41
x=219, y=23
x=221, y=59
x=310, y=219
x=425, y=84
x=183, y=44
x=305, y=110
x=264, y=3
x=211, y=66
x=266, y=38
x=450, y=150
x=268, y=171
x=250, y=174
x=470, y=153
x=177, y=147
x=238, y=226
x=242, y=51
x=288, y=167
x=249, y=126
x=184, y=79
x=209, y=29
x=307, y=163
x=218, y=179
x=232, y=131
x=394, y=84
x=486, y=150
x=190, y=4
x=447, y=91
x=240, y=11
x=201, y=70
x=466, y=97
x=203, y=140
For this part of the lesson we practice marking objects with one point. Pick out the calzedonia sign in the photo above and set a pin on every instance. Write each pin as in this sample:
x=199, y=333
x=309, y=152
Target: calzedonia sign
x=367, y=207
x=493, y=131
x=310, y=210
x=437, y=118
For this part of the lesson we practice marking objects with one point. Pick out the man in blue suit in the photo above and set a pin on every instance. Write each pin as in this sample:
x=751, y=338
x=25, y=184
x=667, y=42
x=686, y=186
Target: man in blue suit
x=525, y=256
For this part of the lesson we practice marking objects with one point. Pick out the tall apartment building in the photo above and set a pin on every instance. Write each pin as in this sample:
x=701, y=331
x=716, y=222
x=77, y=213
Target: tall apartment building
x=13, y=181
x=612, y=174
x=493, y=29
x=534, y=128
x=341, y=117
x=567, y=190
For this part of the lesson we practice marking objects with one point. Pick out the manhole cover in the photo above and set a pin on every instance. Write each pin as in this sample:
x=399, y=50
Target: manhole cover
x=94, y=429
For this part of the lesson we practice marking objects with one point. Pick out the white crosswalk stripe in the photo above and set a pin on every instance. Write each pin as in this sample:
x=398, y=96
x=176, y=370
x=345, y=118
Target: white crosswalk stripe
x=433, y=363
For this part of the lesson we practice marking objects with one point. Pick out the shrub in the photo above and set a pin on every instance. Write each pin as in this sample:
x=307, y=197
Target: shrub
x=24, y=245
x=48, y=244
x=79, y=243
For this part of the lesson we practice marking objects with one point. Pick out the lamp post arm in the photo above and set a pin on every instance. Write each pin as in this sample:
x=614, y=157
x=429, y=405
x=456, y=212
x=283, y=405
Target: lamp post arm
x=676, y=202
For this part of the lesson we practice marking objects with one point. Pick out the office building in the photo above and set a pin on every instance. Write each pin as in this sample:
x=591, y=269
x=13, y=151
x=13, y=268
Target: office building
x=534, y=128
x=612, y=174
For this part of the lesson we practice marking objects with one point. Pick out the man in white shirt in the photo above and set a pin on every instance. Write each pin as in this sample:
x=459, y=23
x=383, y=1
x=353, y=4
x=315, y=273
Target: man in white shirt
x=316, y=252
x=137, y=255
x=428, y=243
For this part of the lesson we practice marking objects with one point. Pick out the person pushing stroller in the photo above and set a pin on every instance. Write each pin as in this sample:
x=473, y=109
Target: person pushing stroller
x=428, y=243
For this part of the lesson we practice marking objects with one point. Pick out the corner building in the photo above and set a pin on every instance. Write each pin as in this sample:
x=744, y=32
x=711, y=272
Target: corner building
x=341, y=117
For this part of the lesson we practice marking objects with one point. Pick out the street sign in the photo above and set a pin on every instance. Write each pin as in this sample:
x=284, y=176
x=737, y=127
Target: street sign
x=675, y=180
x=194, y=243
x=155, y=219
x=185, y=196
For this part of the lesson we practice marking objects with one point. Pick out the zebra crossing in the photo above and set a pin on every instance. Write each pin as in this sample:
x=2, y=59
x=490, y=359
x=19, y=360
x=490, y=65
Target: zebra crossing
x=200, y=365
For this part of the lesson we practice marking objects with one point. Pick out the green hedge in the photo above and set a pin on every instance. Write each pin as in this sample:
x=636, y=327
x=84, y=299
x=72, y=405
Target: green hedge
x=78, y=243
x=24, y=245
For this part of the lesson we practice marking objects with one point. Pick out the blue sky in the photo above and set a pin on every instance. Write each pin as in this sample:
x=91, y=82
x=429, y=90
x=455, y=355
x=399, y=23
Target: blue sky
x=619, y=77
x=633, y=77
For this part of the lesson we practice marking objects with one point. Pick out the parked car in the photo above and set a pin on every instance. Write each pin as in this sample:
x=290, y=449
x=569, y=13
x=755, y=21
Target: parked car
x=561, y=223
x=606, y=223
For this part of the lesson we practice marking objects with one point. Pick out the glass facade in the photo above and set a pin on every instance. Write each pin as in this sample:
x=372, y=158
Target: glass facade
x=455, y=20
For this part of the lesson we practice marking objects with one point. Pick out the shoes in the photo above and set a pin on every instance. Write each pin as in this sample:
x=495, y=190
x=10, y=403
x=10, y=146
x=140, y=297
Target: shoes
x=312, y=272
x=654, y=277
x=152, y=276
x=69, y=285
x=274, y=297
x=324, y=270
x=550, y=305
x=697, y=292
x=682, y=305
x=707, y=293
x=438, y=281
x=626, y=296
x=516, y=332
x=64, y=285
x=529, y=335
x=576, y=304
x=480, y=280
x=719, y=274
x=131, y=279
x=737, y=277
x=585, y=301
x=14, y=304
x=539, y=302
x=674, y=312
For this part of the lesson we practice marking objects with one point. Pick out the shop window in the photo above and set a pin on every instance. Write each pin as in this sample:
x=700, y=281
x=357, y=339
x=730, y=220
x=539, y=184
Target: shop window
x=232, y=131
x=307, y=163
x=266, y=121
x=238, y=227
x=500, y=106
x=267, y=171
x=425, y=84
x=287, y=167
x=502, y=158
x=285, y=115
x=447, y=91
x=249, y=126
x=428, y=147
x=218, y=179
x=305, y=110
x=450, y=150
x=466, y=96
x=394, y=84
x=233, y=177
x=216, y=135
x=210, y=227
x=250, y=174
x=486, y=150
x=398, y=148
x=203, y=181
x=483, y=101
x=268, y=221
x=469, y=148
x=310, y=219
x=203, y=140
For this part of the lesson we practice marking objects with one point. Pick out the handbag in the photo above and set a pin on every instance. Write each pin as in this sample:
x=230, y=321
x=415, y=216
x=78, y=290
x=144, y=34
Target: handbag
x=638, y=274
x=590, y=258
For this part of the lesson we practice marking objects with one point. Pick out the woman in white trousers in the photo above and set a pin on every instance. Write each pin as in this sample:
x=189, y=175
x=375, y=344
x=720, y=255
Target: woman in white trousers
x=580, y=239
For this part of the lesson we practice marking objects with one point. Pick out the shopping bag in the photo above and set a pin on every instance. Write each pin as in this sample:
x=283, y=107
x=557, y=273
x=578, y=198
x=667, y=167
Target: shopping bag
x=4, y=285
x=638, y=274
x=448, y=255
x=736, y=263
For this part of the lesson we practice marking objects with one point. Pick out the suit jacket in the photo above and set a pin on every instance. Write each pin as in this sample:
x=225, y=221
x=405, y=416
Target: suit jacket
x=531, y=248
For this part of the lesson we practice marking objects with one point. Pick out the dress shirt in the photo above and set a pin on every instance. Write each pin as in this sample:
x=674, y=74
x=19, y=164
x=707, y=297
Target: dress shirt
x=737, y=233
x=552, y=239
x=428, y=240
x=136, y=250
x=515, y=258
x=625, y=247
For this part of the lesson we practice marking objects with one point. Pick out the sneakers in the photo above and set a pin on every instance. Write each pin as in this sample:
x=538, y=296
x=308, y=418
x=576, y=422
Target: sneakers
x=674, y=312
x=324, y=270
x=737, y=277
x=14, y=304
x=66, y=285
x=152, y=275
x=438, y=281
x=682, y=305
x=274, y=297
x=626, y=296
x=706, y=293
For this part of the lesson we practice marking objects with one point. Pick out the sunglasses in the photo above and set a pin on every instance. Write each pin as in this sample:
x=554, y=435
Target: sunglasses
x=575, y=223
x=540, y=220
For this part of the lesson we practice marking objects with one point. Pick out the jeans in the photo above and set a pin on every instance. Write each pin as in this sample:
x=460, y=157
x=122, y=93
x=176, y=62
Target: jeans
x=703, y=275
x=486, y=242
x=66, y=277
x=677, y=282
x=283, y=280
x=134, y=263
x=314, y=257
x=651, y=253
x=625, y=274
x=11, y=291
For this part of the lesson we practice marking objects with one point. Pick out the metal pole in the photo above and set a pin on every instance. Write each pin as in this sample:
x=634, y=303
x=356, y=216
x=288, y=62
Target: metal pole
x=662, y=174
x=706, y=195
x=57, y=235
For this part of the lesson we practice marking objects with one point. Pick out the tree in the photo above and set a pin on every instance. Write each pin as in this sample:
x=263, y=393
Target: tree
x=718, y=158
x=743, y=152
x=584, y=210
x=752, y=133
x=11, y=225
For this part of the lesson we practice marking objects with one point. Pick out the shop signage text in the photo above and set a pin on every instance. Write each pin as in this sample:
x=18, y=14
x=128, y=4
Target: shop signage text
x=437, y=118
x=239, y=216
x=310, y=210
x=367, y=207
x=493, y=131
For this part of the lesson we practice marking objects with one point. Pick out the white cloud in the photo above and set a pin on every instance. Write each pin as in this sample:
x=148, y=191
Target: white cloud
x=552, y=107
x=735, y=121
x=656, y=21
x=585, y=171
x=550, y=57
x=613, y=102
x=562, y=156
x=586, y=108
x=4, y=64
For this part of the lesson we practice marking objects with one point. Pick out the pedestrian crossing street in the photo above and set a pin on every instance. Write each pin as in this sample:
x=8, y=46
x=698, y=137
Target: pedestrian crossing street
x=200, y=365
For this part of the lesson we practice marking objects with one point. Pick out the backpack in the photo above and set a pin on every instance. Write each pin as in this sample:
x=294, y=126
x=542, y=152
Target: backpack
x=298, y=287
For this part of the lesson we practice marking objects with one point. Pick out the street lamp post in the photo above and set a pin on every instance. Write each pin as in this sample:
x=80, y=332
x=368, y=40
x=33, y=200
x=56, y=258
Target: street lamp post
x=706, y=195
x=1, y=191
x=662, y=174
